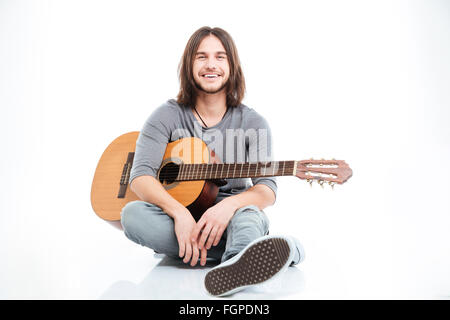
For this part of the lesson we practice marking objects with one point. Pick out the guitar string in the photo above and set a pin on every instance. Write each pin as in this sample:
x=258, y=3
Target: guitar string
x=199, y=176
x=199, y=171
x=244, y=166
x=205, y=168
x=174, y=173
x=248, y=168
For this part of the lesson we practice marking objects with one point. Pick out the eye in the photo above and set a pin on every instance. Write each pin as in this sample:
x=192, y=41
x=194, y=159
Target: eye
x=221, y=57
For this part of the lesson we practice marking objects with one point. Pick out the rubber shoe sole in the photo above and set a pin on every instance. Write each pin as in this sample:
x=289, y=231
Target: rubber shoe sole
x=257, y=263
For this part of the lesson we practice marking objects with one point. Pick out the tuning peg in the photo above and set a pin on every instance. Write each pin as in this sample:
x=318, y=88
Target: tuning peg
x=331, y=183
x=309, y=181
x=320, y=182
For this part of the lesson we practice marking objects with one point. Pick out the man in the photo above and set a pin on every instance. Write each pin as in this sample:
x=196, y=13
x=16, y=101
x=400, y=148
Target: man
x=234, y=230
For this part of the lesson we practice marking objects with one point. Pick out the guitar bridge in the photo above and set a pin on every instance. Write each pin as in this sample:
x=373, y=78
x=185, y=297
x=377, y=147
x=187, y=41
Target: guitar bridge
x=125, y=178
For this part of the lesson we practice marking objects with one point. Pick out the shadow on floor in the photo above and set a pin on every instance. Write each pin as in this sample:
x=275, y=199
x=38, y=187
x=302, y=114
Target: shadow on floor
x=172, y=279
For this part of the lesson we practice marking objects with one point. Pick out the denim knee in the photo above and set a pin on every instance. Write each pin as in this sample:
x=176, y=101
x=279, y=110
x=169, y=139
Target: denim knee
x=138, y=219
x=251, y=215
x=129, y=216
x=148, y=225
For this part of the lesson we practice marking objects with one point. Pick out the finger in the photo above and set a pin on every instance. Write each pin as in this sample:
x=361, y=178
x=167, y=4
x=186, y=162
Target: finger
x=204, y=236
x=181, y=249
x=196, y=232
x=195, y=254
x=218, y=236
x=188, y=254
x=212, y=237
x=203, y=256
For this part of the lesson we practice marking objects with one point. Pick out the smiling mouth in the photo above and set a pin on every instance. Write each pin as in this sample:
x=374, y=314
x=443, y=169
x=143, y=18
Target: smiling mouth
x=210, y=76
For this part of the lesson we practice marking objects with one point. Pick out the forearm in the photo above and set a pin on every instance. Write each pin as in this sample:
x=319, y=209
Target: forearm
x=259, y=195
x=148, y=189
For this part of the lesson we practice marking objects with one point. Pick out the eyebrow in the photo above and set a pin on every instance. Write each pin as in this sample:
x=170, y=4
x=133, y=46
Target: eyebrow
x=217, y=52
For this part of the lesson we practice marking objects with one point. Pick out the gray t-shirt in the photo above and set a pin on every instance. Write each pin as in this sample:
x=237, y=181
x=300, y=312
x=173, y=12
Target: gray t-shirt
x=241, y=136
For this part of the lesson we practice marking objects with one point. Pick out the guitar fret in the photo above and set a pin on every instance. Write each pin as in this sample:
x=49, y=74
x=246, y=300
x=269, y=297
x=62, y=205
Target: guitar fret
x=180, y=173
x=188, y=171
x=284, y=164
x=228, y=168
x=221, y=171
x=256, y=169
x=234, y=170
x=240, y=173
x=248, y=171
x=217, y=168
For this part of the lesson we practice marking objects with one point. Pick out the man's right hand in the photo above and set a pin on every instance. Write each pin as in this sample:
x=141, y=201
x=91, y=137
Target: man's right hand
x=184, y=225
x=149, y=189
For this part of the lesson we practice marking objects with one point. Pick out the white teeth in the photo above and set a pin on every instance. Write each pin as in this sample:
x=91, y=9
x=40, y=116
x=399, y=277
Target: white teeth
x=210, y=76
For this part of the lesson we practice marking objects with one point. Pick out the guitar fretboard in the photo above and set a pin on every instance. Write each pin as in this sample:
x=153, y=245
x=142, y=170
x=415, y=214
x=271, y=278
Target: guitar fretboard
x=205, y=171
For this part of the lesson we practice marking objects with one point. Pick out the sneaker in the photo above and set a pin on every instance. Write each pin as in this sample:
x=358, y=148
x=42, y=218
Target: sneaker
x=300, y=256
x=258, y=262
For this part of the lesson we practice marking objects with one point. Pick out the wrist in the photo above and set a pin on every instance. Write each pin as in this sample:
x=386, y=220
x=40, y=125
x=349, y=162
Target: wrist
x=233, y=202
x=177, y=211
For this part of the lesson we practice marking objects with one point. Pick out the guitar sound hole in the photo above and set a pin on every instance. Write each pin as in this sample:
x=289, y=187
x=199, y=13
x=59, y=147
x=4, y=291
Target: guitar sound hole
x=168, y=173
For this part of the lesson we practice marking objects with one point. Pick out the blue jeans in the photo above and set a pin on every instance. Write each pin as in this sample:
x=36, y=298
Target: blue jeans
x=148, y=225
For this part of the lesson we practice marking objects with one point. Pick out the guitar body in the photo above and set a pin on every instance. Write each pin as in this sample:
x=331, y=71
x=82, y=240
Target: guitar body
x=110, y=190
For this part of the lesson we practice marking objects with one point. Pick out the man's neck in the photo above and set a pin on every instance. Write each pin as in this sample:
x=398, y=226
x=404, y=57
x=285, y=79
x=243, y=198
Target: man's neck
x=211, y=105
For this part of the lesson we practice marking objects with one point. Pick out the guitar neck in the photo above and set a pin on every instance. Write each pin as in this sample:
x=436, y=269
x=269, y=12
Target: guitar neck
x=205, y=171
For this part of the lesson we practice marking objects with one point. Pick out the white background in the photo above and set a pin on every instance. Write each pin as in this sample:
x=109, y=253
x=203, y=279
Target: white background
x=363, y=81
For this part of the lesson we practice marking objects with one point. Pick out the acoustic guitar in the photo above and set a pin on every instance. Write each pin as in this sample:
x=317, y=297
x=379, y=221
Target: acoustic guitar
x=192, y=174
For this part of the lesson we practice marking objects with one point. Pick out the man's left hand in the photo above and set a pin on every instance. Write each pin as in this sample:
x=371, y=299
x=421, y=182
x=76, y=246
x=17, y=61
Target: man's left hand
x=212, y=224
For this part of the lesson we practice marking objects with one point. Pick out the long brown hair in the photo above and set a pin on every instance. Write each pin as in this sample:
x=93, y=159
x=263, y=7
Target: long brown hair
x=236, y=83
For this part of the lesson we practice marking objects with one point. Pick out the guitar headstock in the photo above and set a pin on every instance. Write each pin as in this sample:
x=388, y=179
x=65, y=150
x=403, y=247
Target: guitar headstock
x=330, y=171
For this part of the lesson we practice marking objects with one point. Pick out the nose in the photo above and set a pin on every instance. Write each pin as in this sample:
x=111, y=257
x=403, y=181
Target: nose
x=210, y=64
